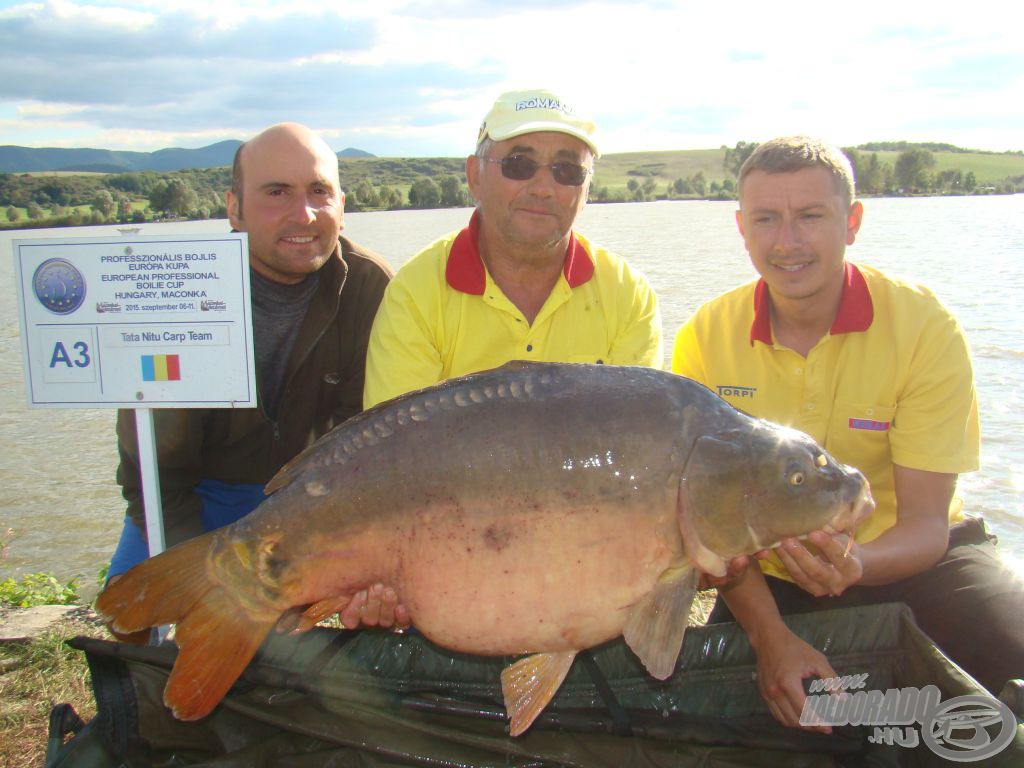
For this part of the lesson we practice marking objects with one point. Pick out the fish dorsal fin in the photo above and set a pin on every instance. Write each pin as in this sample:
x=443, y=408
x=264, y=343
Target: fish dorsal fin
x=530, y=683
x=656, y=624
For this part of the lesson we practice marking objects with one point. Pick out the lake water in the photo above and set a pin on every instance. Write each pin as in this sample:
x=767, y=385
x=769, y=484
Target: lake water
x=57, y=466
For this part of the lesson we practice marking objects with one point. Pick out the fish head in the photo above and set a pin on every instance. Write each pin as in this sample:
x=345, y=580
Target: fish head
x=745, y=489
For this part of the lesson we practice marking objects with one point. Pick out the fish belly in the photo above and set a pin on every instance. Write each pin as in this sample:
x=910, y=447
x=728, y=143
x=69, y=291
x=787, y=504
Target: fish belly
x=495, y=582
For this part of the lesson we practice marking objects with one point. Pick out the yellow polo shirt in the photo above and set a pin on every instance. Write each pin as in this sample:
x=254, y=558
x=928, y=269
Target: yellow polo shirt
x=443, y=316
x=891, y=383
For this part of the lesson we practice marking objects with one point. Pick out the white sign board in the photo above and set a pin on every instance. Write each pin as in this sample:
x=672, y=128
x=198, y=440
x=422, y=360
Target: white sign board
x=143, y=322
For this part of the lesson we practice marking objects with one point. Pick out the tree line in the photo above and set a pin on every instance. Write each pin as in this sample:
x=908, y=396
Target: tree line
x=83, y=199
x=913, y=173
x=78, y=199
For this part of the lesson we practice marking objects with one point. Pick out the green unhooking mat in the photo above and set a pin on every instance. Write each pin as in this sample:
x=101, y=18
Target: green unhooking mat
x=375, y=699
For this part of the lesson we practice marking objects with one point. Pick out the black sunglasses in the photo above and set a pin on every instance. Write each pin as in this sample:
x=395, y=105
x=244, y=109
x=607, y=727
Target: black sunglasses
x=521, y=168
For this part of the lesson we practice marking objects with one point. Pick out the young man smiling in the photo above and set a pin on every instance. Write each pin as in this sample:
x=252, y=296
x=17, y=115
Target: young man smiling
x=517, y=283
x=879, y=373
x=314, y=296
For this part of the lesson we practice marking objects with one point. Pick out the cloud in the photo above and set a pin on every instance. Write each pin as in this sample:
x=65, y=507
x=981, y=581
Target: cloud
x=181, y=72
x=414, y=77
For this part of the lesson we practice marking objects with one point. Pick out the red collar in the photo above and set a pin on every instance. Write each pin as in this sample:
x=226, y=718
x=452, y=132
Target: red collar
x=465, y=269
x=855, y=314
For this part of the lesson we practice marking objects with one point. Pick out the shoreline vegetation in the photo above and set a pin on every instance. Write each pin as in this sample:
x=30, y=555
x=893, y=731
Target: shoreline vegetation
x=57, y=199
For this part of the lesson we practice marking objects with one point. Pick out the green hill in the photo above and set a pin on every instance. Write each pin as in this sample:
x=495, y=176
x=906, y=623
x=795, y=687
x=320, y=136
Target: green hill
x=58, y=199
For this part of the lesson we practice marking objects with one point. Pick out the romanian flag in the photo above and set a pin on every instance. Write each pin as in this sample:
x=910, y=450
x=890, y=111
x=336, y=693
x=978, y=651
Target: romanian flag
x=160, y=368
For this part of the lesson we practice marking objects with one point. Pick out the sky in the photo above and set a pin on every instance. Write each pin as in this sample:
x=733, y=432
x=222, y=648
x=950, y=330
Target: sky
x=414, y=78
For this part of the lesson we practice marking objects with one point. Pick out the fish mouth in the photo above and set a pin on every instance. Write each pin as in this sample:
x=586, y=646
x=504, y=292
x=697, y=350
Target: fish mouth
x=848, y=518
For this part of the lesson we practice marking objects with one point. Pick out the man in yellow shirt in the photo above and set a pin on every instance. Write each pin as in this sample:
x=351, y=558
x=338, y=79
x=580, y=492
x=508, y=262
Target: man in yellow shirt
x=518, y=283
x=879, y=372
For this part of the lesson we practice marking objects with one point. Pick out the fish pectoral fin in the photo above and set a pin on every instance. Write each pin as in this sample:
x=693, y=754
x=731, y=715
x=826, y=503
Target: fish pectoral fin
x=297, y=623
x=530, y=683
x=703, y=557
x=657, y=623
x=216, y=641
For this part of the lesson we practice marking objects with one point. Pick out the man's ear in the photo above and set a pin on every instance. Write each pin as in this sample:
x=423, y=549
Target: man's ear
x=473, y=175
x=234, y=210
x=739, y=223
x=854, y=218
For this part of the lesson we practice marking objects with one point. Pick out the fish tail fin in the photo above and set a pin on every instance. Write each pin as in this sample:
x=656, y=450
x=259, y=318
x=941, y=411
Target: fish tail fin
x=160, y=590
x=217, y=635
x=530, y=683
x=216, y=640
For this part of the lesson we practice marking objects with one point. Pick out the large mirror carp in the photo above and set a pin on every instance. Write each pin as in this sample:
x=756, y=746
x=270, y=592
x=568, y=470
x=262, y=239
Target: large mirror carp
x=539, y=508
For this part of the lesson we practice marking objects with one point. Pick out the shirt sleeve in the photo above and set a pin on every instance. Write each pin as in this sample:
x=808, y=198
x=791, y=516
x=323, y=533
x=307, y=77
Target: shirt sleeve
x=639, y=341
x=403, y=354
x=936, y=425
x=687, y=355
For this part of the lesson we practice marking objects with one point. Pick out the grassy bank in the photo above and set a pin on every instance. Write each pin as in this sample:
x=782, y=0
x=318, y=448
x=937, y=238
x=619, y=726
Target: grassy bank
x=37, y=675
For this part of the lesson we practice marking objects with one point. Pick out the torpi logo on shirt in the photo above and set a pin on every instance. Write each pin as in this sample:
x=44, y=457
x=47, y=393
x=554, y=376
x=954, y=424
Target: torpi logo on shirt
x=733, y=390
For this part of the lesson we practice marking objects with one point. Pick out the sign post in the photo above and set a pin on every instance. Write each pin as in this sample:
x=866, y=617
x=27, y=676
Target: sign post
x=137, y=322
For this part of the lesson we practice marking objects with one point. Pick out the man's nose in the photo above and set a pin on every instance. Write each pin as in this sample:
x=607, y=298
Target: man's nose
x=303, y=209
x=786, y=237
x=543, y=183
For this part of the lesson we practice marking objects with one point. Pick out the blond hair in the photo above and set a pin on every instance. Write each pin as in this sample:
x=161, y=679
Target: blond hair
x=793, y=153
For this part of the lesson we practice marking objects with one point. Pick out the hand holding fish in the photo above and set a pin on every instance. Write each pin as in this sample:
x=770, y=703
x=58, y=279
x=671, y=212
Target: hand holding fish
x=733, y=569
x=836, y=566
x=377, y=606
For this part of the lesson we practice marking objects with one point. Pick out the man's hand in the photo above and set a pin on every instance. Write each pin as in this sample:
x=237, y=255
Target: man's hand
x=783, y=661
x=836, y=566
x=733, y=569
x=377, y=606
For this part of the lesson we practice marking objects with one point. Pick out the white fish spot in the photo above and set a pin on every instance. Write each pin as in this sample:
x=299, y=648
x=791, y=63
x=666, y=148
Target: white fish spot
x=315, y=488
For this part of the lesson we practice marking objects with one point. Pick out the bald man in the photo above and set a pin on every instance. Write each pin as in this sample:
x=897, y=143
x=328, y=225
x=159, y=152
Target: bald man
x=314, y=297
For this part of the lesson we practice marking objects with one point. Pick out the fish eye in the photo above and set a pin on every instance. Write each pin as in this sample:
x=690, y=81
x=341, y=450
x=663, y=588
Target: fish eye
x=796, y=478
x=821, y=461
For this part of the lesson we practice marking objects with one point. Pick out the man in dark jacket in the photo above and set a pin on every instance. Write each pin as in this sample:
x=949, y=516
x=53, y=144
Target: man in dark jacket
x=314, y=297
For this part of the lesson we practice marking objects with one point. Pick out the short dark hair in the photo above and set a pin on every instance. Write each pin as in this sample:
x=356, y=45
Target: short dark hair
x=793, y=153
